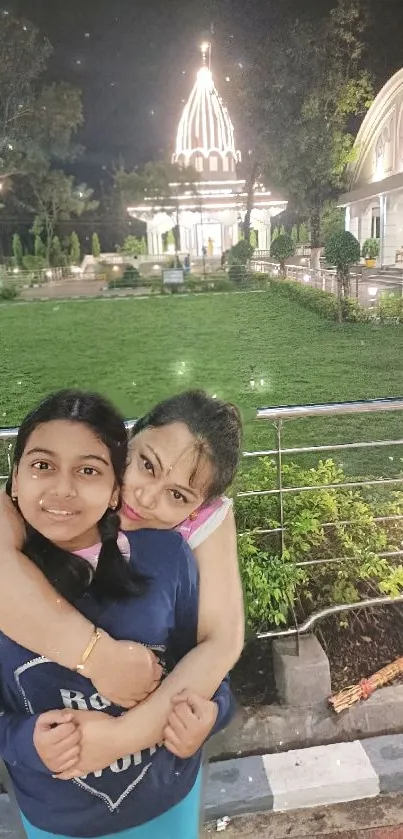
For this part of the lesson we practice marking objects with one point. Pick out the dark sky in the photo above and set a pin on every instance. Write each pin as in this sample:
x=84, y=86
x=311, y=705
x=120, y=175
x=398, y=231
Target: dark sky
x=135, y=61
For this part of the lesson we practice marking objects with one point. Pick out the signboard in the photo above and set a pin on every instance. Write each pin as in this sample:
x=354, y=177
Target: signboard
x=173, y=277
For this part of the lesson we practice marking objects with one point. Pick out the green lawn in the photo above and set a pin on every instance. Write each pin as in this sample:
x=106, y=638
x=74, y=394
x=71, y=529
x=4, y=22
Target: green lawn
x=138, y=351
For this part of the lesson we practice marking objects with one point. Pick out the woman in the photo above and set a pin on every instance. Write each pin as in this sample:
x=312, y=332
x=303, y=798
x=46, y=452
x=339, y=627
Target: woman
x=162, y=451
x=67, y=474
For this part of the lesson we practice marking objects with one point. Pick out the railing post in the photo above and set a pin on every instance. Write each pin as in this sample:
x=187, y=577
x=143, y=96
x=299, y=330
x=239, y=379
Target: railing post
x=279, y=427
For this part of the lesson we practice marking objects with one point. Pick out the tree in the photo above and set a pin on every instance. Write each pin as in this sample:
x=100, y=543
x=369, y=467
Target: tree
x=132, y=246
x=75, y=249
x=294, y=234
x=332, y=221
x=39, y=247
x=253, y=239
x=56, y=256
x=282, y=248
x=53, y=196
x=23, y=57
x=170, y=239
x=274, y=234
x=343, y=251
x=160, y=185
x=309, y=76
x=303, y=234
x=17, y=250
x=95, y=246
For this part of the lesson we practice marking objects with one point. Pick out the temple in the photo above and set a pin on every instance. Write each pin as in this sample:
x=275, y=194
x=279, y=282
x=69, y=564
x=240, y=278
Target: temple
x=209, y=214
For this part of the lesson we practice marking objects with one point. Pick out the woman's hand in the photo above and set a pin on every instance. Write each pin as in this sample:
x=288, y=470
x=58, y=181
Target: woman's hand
x=100, y=743
x=123, y=671
x=190, y=722
x=12, y=525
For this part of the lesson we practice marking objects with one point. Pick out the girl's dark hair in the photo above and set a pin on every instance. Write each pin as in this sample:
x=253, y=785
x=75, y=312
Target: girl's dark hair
x=216, y=426
x=70, y=574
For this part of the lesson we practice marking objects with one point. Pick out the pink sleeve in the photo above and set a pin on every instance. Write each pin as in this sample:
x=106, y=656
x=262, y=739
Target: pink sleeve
x=205, y=521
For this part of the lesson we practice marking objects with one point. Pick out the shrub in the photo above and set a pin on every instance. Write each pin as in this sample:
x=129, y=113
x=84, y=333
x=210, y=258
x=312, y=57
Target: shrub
x=9, y=291
x=370, y=249
x=343, y=251
x=34, y=263
x=129, y=279
x=237, y=273
x=390, y=309
x=276, y=584
x=282, y=248
x=322, y=302
x=95, y=246
x=241, y=253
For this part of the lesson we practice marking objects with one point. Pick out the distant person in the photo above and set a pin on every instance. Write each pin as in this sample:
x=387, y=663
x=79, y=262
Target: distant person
x=186, y=264
x=210, y=248
x=204, y=251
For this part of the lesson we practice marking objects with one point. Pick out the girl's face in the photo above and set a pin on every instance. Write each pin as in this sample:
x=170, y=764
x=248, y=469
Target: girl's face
x=64, y=483
x=158, y=488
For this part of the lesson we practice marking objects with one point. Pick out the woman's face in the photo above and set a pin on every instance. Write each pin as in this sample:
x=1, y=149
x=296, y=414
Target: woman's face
x=64, y=483
x=158, y=489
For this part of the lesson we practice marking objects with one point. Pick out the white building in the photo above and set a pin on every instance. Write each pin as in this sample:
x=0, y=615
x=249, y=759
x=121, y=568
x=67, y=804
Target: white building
x=374, y=205
x=210, y=218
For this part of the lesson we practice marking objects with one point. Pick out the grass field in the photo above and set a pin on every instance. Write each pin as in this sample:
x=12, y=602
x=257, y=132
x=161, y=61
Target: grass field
x=139, y=351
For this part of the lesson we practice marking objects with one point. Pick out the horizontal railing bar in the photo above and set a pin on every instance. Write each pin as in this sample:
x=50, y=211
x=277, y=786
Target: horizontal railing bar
x=331, y=409
x=11, y=433
x=272, y=530
x=327, y=448
x=331, y=559
x=331, y=610
x=345, y=485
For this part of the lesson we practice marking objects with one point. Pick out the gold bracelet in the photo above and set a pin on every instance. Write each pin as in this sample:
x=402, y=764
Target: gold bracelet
x=96, y=635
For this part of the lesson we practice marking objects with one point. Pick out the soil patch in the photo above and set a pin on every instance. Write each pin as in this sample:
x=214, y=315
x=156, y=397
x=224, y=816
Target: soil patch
x=371, y=640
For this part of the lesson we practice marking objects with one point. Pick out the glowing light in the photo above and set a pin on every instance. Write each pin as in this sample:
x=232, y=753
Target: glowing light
x=204, y=47
x=115, y=268
x=16, y=270
x=307, y=278
x=205, y=126
x=373, y=290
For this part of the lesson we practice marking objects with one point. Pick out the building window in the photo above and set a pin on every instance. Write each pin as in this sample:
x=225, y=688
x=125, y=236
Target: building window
x=199, y=163
x=225, y=164
x=375, y=224
x=213, y=164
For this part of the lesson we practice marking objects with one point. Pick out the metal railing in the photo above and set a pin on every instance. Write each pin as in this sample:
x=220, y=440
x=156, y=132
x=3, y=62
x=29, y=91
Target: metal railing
x=320, y=278
x=278, y=417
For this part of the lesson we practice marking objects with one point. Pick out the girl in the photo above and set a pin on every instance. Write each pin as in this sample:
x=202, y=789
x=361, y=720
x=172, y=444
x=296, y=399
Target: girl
x=157, y=493
x=69, y=461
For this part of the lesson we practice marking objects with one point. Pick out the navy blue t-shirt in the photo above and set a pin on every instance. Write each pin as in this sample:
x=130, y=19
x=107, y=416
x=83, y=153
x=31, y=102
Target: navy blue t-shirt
x=136, y=788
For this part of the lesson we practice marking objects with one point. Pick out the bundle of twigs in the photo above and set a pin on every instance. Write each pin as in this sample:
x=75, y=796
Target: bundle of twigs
x=349, y=696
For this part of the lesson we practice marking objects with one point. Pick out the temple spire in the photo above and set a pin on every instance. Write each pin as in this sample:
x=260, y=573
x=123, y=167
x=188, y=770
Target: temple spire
x=206, y=54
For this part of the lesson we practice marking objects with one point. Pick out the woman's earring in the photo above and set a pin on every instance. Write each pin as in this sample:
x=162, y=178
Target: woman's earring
x=14, y=498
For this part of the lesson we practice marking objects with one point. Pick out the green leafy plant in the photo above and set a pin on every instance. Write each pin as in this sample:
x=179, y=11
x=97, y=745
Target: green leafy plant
x=282, y=248
x=9, y=291
x=17, y=250
x=75, y=249
x=129, y=279
x=326, y=523
x=343, y=251
x=322, y=302
x=95, y=246
x=240, y=253
x=370, y=249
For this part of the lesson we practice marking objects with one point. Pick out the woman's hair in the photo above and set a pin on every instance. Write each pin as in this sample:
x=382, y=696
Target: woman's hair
x=216, y=427
x=70, y=574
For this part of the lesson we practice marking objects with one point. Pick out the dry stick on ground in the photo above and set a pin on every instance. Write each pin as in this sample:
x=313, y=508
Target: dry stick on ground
x=349, y=696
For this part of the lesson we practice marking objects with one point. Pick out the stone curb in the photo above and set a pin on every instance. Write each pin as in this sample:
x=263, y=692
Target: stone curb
x=294, y=780
x=313, y=777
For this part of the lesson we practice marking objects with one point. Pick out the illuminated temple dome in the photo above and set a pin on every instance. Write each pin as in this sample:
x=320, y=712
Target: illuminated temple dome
x=205, y=137
x=208, y=218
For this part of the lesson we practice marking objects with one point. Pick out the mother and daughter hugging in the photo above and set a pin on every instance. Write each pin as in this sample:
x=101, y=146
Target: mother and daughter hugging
x=120, y=613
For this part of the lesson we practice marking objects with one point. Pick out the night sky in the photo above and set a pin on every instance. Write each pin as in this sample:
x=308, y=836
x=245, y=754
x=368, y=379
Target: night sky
x=135, y=61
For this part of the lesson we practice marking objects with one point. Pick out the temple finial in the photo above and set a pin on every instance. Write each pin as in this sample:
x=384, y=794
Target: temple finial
x=206, y=54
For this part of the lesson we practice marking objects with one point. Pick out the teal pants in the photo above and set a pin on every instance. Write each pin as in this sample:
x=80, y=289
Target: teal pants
x=181, y=822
